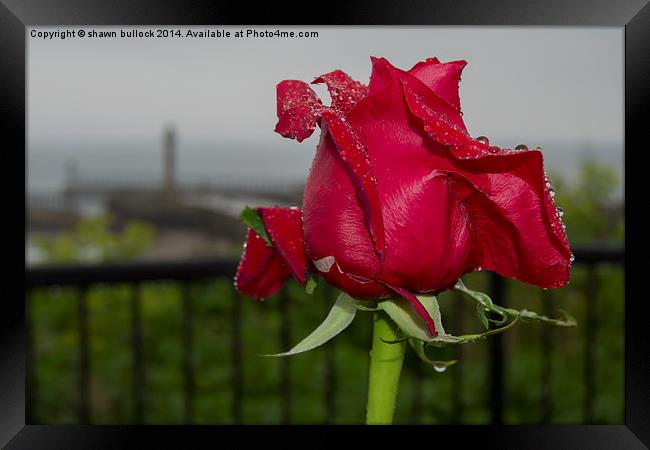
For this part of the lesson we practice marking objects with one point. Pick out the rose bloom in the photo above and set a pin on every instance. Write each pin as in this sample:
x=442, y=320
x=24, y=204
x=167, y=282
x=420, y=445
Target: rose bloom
x=400, y=199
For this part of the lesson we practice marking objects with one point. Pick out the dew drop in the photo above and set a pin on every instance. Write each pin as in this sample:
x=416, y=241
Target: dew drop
x=440, y=368
x=560, y=212
x=521, y=147
x=483, y=139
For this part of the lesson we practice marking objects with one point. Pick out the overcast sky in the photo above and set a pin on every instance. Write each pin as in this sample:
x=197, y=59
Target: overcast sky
x=539, y=86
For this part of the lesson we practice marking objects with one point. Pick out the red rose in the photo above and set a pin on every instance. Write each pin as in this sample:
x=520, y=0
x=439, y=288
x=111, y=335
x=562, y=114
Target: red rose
x=400, y=199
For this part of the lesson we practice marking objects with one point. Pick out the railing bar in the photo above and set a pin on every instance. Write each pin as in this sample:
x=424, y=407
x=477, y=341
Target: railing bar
x=31, y=388
x=546, y=397
x=84, y=359
x=496, y=356
x=285, y=363
x=138, y=375
x=457, y=379
x=130, y=272
x=416, y=401
x=188, y=355
x=236, y=360
x=330, y=365
x=74, y=275
x=590, y=337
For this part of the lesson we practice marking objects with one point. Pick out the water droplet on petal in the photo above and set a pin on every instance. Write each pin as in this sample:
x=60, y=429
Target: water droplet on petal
x=521, y=147
x=483, y=139
x=560, y=212
x=440, y=368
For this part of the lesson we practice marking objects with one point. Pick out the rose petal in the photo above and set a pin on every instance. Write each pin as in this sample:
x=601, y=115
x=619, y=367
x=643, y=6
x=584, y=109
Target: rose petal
x=505, y=173
x=442, y=127
x=345, y=91
x=402, y=152
x=261, y=271
x=481, y=163
x=442, y=78
x=334, y=223
x=428, y=61
x=513, y=235
x=298, y=109
x=356, y=286
x=384, y=72
x=429, y=237
x=284, y=227
x=384, y=120
x=515, y=184
x=355, y=156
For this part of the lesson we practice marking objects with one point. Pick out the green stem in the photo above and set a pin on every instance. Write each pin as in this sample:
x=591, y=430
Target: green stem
x=385, y=367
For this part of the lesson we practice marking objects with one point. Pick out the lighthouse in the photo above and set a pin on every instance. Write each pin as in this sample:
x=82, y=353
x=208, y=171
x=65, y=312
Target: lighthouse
x=169, y=160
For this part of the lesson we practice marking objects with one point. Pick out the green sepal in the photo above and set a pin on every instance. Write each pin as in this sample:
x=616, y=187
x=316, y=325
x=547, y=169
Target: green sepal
x=480, y=312
x=485, y=302
x=400, y=310
x=419, y=348
x=403, y=314
x=251, y=218
x=566, y=321
x=338, y=319
x=480, y=297
x=360, y=307
x=466, y=338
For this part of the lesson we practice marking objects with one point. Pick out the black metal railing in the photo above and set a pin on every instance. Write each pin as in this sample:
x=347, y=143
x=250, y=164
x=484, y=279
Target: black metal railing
x=187, y=273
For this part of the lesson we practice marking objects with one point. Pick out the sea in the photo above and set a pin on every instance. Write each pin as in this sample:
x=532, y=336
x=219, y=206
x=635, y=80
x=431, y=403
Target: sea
x=273, y=161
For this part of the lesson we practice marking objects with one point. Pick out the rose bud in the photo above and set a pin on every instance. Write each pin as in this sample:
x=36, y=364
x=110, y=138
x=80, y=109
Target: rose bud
x=400, y=199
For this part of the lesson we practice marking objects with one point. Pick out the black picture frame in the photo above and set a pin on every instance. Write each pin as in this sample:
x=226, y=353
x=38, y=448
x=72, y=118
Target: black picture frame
x=633, y=15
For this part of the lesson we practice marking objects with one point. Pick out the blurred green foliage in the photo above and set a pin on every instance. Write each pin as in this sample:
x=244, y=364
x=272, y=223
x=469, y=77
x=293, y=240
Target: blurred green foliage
x=94, y=240
x=592, y=213
x=459, y=395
